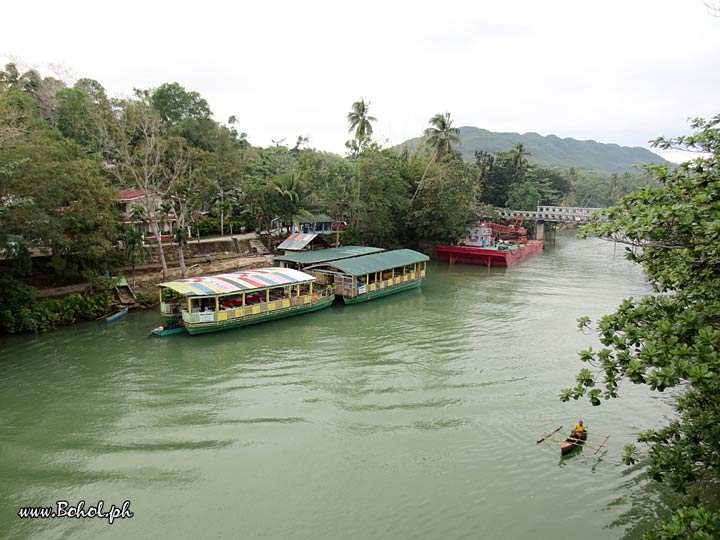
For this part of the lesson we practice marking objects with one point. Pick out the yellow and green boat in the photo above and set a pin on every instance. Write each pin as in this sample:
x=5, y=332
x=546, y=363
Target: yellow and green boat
x=221, y=302
x=359, y=279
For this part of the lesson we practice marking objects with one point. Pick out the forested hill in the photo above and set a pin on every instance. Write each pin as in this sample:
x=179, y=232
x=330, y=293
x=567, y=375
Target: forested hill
x=552, y=151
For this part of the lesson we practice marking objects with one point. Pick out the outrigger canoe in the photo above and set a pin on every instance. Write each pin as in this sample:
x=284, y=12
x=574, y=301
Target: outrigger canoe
x=568, y=444
x=571, y=443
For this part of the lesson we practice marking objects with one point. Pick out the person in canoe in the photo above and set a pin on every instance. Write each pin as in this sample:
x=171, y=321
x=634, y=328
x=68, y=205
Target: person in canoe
x=579, y=430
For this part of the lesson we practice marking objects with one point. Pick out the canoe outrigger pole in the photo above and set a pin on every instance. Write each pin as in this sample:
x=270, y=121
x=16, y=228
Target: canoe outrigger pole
x=549, y=434
x=601, y=444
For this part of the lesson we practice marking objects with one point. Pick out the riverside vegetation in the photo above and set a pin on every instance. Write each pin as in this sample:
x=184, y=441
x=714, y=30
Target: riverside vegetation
x=66, y=150
x=670, y=340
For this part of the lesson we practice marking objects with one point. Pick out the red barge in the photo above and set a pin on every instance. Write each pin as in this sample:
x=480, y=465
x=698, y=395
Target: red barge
x=492, y=244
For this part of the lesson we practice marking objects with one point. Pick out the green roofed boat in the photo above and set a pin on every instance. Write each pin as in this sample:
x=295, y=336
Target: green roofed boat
x=209, y=304
x=302, y=259
x=359, y=279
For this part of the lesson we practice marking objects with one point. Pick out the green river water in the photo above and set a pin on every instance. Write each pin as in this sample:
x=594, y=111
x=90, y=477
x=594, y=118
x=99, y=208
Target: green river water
x=411, y=417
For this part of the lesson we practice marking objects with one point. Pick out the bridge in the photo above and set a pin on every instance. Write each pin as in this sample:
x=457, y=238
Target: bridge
x=552, y=214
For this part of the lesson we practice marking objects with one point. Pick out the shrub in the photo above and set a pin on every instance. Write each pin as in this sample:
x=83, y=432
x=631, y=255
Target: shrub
x=36, y=316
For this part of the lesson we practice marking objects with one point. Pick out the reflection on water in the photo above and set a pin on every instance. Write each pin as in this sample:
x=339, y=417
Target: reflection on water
x=414, y=416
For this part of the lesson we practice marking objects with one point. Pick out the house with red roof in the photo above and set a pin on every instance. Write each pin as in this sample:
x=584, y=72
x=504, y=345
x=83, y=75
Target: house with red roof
x=133, y=205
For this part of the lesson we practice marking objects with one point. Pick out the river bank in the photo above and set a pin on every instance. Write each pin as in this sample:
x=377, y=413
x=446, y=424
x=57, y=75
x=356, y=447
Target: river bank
x=147, y=277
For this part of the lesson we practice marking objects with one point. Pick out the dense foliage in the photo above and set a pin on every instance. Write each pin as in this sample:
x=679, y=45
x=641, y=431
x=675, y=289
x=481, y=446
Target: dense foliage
x=510, y=180
x=67, y=151
x=671, y=340
x=20, y=312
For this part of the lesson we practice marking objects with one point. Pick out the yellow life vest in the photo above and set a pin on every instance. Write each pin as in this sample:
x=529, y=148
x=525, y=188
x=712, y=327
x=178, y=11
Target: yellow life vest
x=580, y=429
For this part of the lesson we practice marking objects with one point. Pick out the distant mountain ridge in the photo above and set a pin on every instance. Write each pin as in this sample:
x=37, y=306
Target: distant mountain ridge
x=553, y=151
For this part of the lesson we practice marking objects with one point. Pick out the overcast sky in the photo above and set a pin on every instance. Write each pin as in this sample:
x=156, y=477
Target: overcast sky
x=617, y=71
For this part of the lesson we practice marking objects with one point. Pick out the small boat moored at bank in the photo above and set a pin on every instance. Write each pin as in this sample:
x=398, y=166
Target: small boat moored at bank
x=117, y=316
x=209, y=304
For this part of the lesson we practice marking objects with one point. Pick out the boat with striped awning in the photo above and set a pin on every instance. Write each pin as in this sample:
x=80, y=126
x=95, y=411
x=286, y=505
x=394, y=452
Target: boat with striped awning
x=212, y=303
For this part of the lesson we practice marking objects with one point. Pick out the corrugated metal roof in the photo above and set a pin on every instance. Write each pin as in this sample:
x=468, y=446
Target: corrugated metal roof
x=316, y=218
x=367, y=264
x=243, y=281
x=332, y=254
x=297, y=241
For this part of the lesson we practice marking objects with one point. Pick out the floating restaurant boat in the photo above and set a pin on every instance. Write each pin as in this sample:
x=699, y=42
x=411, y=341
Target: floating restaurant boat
x=359, y=279
x=209, y=304
x=301, y=259
x=481, y=247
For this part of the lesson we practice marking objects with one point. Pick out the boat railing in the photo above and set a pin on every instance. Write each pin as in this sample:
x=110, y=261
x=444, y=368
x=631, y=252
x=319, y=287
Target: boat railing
x=169, y=308
x=346, y=289
x=248, y=311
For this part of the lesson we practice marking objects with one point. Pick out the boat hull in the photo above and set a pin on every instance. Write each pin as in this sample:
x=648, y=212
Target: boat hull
x=117, y=316
x=488, y=256
x=205, y=328
x=570, y=444
x=168, y=331
x=382, y=292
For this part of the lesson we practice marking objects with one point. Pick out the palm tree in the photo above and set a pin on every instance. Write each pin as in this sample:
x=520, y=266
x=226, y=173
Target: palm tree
x=439, y=138
x=135, y=250
x=441, y=135
x=291, y=190
x=518, y=157
x=360, y=121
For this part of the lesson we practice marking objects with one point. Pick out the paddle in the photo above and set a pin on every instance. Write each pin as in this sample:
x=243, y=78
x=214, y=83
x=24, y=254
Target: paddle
x=549, y=434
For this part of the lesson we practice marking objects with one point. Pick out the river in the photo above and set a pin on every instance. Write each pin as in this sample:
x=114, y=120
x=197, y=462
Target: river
x=411, y=417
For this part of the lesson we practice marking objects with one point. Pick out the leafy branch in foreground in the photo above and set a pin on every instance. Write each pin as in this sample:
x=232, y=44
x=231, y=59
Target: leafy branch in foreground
x=670, y=339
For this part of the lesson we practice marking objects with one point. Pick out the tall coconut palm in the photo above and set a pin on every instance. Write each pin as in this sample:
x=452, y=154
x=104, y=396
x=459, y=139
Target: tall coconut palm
x=441, y=135
x=439, y=138
x=360, y=121
x=520, y=165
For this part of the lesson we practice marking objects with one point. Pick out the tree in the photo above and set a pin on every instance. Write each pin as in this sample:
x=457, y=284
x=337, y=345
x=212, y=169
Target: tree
x=134, y=248
x=440, y=136
x=380, y=201
x=520, y=165
x=438, y=139
x=175, y=104
x=141, y=163
x=672, y=338
x=531, y=193
x=84, y=114
x=448, y=202
x=361, y=122
x=53, y=196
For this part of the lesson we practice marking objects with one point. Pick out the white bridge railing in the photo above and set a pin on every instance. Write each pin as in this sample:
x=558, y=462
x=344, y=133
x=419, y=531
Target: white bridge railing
x=557, y=214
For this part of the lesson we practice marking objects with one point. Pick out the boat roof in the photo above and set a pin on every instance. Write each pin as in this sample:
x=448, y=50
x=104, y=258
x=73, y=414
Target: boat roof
x=332, y=254
x=297, y=241
x=367, y=264
x=316, y=218
x=235, y=282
